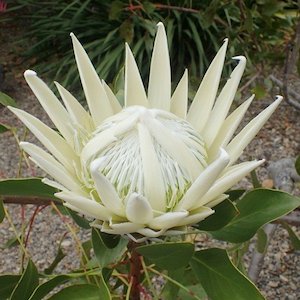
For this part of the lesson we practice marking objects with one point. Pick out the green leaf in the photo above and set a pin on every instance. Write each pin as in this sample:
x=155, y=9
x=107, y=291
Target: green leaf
x=235, y=195
x=78, y=292
x=220, y=279
x=6, y=100
x=195, y=292
x=256, y=208
x=148, y=7
x=27, y=283
x=45, y=288
x=26, y=187
x=104, y=254
x=262, y=241
x=170, y=290
x=126, y=31
x=58, y=258
x=169, y=256
x=2, y=211
x=86, y=253
x=293, y=236
x=7, y=285
x=104, y=292
x=259, y=91
x=298, y=64
x=116, y=8
x=80, y=221
x=297, y=165
x=4, y=128
x=255, y=181
x=224, y=213
x=12, y=242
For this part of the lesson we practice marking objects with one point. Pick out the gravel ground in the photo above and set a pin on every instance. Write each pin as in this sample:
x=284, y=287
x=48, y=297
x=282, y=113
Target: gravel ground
x=280, y=138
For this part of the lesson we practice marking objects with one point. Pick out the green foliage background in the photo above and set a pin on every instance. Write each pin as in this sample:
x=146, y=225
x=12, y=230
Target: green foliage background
x=257, y=29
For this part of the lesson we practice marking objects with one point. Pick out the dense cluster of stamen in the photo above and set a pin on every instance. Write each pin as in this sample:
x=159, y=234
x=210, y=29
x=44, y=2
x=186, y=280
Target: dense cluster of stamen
x=122, y=160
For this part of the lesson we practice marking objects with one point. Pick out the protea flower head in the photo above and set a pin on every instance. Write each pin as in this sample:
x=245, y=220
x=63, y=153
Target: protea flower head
x=152, y=167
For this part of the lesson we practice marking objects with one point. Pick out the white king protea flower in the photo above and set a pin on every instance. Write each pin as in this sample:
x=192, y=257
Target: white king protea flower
x=150, y=168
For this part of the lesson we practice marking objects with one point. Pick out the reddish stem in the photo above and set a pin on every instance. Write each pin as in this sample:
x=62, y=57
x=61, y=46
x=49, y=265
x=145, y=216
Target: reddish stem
x=135, y=271
x=132, y=8
x=36, y=211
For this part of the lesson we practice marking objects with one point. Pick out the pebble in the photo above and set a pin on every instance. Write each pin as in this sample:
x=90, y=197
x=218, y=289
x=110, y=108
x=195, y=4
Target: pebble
x=273, y=284
x=66, y=243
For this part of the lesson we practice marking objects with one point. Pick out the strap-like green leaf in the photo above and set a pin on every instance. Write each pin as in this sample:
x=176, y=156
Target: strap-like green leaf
x=7, y=100
x=2, y=211
x=293, y=236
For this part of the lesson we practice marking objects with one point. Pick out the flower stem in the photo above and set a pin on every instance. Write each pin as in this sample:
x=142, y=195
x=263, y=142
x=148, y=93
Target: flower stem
x=135, y=271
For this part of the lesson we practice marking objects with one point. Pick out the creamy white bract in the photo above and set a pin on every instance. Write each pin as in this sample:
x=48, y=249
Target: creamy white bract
x=152, y=167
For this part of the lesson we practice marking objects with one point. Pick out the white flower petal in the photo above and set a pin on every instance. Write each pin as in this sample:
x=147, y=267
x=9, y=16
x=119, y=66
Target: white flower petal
x=167, y=220
x=105, y=189
x=49, y=138
x=138, y=209
x=51, y=166
x=96, y=144
x=121, y=228
x=134, y=89
x=97, y=100
x=115, y=104
x=239, y=143
x=228, y=128
x=159, y=89
x=153, y=180
x=54, y=184
x=228, y=180
x=216, y=201
x=203, y=102
x=151, y=233
x=77, y=113
x=51, y=105
x=107, y=137
x=223, y=103
x=204, y=181
x=196, y=216
x=181, y=153
x=84, y=205
x=179, y=100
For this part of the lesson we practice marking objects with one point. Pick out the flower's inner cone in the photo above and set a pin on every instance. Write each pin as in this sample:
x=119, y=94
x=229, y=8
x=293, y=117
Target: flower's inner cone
x=178, y=150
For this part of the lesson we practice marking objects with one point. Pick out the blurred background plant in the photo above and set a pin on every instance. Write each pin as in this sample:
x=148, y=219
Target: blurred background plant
x=258, y=29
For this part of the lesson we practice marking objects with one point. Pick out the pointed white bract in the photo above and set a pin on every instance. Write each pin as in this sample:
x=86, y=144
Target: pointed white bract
x=159, y=89
x=203, y=102
x=76, y=112
x=97, y=100
x=152, y=167
x=179, y=100
x=134, y=89
x=51, y=105
x=223, y=103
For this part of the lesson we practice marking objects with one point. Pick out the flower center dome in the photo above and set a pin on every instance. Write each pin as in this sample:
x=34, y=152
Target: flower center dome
x=138, y=143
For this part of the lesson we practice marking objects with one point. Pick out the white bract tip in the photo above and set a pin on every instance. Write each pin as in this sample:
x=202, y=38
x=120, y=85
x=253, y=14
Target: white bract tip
x=240, y=57
x=28, y=73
